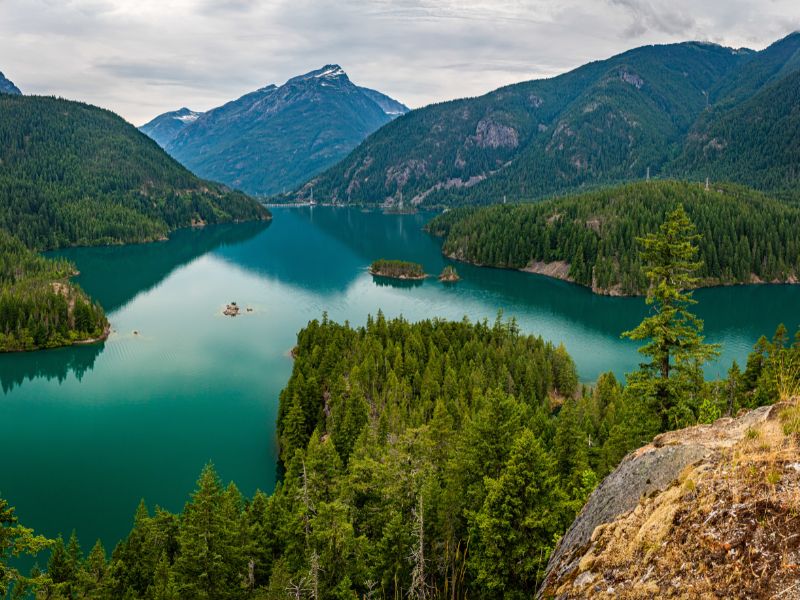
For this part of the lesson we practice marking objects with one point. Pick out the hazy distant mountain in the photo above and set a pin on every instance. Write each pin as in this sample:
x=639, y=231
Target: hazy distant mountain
x=164, y=128
x=278, y=136
x=7, y=87
x=681, y=110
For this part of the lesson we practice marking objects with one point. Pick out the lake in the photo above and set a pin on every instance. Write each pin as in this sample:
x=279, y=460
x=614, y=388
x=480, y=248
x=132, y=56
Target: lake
x=86, y=432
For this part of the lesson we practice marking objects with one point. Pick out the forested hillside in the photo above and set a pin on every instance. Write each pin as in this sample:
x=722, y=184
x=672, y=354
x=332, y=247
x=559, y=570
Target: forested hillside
x=683, y=110
x=757, y=142
x=746, y=237
x=76, y=174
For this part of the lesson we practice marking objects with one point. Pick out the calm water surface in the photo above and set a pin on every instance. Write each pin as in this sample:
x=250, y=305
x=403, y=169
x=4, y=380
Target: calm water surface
x=87, y=432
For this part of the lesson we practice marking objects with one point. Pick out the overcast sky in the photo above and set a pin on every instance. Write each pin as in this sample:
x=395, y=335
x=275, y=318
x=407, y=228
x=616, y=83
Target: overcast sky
x=143, y=57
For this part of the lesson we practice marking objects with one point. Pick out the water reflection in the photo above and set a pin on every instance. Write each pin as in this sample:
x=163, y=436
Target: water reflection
x=396, y=283
x=56, y=364
x=115, y=275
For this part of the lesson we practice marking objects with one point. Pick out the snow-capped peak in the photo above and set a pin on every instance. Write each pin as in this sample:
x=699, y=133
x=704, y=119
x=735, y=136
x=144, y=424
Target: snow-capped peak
x=330, y=72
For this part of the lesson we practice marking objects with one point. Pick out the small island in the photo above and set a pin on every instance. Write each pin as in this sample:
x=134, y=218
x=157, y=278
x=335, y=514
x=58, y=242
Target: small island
x=397, y=269
x=449, y=275
x=231, y=310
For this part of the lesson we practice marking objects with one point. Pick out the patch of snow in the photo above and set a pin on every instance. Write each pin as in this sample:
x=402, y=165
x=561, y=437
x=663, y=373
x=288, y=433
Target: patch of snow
x=192, y=116
x=331, y=72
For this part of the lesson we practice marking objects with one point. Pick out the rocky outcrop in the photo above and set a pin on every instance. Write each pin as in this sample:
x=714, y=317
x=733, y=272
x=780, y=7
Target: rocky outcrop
x=700, y=512
x=558, y=269
x=491, y=134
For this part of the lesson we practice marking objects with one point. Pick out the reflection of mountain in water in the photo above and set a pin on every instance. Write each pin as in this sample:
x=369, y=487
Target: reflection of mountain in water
x=115, y=275
x=50, y=364
x=325, y=249
x=297, y=254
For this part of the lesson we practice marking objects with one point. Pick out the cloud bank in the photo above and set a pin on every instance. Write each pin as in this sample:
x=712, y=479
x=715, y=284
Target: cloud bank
x=143, y=57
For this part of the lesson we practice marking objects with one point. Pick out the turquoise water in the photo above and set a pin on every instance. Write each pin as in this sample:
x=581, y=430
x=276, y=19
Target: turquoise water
x=86, y=432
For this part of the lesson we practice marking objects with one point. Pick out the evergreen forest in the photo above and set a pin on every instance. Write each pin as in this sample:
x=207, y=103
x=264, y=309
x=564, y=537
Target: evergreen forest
x=746, y=237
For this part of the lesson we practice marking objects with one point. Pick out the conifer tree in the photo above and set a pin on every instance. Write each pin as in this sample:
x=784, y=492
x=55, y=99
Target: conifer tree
x=15, y=541
x=675, y=342
x=515, y=528
x=210, y=565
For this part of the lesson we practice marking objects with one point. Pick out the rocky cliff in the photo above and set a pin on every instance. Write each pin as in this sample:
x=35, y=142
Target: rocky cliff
x=712, y=511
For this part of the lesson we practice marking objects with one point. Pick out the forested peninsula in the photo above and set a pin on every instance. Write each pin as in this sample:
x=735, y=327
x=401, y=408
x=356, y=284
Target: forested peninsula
x=39, y=308
x=591, y=238
x=74, y=174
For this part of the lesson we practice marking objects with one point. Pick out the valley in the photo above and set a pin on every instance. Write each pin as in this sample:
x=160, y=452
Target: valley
x=490, y=347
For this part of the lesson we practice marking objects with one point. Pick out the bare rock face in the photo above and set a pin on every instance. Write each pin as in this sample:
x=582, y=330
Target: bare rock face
x=631, y=78
x=490, y=134
x=692, y=514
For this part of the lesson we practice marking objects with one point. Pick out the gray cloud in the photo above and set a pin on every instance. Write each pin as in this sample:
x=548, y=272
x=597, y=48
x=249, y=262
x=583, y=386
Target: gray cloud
x=646, y=17
x=143, y=57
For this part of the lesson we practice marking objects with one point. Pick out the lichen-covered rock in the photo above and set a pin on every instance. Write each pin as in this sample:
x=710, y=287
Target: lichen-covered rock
x=701, y=512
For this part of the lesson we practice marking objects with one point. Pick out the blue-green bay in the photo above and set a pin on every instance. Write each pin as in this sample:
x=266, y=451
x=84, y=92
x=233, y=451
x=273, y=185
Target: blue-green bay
x=88, y=431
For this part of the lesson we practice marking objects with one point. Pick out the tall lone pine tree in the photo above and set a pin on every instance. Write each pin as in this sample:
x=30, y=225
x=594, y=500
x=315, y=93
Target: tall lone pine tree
x=676, y=345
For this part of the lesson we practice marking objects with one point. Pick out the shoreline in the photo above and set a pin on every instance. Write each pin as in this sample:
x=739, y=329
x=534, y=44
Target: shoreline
x=613, y=292
x=88, y=342
x=158, y=239
x=399, y=277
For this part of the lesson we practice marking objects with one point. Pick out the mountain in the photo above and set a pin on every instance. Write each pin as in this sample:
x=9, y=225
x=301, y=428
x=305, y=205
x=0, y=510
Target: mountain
x=75, y=174
x=164, y=128
x=7, y=87
x=608, y=121
x=752, y=132
x=278, y=136
x=591, y=238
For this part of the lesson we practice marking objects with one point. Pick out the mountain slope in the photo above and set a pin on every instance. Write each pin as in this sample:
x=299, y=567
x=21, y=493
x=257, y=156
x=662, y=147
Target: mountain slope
x=76, y=174
x=605, y=121
x=7, y=86
x=277, y=137
x=752, y=132
x=164, y=128
x=757, y=71
x=672, y=110
x=591, y=238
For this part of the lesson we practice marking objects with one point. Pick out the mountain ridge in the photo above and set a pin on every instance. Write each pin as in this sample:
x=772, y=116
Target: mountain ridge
x=605, y=122
x=276, y=137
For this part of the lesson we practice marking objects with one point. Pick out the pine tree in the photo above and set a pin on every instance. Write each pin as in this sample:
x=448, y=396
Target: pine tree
x=15, y=541
x=294, y=430
x=676, y=343
x=210, y=565
x=515, y=528
x=95, y=573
